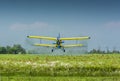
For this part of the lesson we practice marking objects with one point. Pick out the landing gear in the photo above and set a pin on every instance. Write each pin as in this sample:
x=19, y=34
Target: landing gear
x=52, y=50
x=63, y=50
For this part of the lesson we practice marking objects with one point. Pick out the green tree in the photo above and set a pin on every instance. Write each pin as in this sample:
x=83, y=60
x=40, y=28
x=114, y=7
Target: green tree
x=17, y=48
x=93, y=51
x=3, y=50
x=8, y=49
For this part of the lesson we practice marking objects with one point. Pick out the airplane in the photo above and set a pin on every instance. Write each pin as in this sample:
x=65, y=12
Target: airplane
x=59, y=42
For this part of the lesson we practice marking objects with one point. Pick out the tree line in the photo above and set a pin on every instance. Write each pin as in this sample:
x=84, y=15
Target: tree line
x=98, y=51
x=15, y=49
x=18, y=49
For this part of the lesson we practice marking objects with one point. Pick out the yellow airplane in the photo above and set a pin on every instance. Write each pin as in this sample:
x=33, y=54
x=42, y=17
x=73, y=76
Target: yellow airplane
x=58, y=42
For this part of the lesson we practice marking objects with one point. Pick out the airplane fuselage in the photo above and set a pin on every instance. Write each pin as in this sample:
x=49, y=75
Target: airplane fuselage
x=58, y=43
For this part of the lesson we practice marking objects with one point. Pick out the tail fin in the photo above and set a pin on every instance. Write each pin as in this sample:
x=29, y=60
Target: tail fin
x=58, y=36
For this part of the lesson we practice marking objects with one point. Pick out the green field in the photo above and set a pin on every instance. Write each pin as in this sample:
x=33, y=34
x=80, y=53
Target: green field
x=87, y=67
x=14, y=78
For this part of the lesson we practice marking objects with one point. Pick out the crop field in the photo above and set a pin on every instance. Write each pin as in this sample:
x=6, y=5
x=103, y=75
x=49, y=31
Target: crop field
x=35, y=67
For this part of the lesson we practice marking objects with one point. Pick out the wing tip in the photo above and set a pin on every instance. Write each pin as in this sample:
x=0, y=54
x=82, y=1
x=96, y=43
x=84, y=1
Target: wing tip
x=27, y=36
x=89, y=37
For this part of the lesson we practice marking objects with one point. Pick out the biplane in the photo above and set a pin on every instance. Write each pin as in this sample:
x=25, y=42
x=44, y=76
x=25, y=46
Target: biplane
x=58, y=44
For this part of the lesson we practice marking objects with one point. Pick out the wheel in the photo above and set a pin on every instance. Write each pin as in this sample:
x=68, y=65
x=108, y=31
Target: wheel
x=52, y=50
x=63, y=50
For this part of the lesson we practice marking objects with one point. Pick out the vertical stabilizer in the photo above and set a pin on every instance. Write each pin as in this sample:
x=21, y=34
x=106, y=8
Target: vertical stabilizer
x=58, y=36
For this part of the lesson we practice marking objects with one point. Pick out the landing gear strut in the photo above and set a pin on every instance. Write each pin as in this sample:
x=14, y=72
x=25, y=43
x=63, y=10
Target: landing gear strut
x=63, y=50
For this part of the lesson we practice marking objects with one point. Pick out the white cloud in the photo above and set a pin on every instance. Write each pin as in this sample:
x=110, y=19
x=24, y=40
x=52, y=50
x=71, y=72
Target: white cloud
x=35, y=25
x=113, y=24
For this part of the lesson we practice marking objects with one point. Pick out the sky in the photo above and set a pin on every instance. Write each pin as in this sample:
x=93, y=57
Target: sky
x=99, y=19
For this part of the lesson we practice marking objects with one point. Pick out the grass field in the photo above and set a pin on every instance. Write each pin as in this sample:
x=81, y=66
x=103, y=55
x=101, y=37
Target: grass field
x=14, y=78
x=88, y=67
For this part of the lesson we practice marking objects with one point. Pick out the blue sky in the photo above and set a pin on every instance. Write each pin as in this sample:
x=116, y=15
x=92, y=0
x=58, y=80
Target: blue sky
x=99, y=19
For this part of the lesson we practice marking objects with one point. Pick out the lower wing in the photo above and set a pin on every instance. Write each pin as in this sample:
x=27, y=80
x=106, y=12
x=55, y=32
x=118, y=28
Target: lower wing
x=45, y=45
x=73, y=45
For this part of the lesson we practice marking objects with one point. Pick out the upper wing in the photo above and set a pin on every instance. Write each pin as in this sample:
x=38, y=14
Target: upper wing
x=42, y=37
x=75, y=38
x=73, y=45
x=46, y=45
